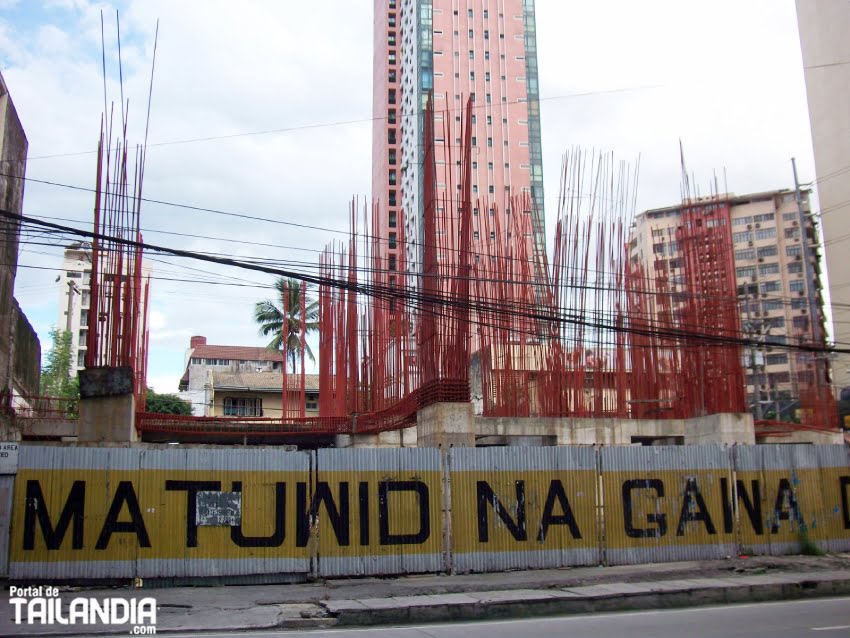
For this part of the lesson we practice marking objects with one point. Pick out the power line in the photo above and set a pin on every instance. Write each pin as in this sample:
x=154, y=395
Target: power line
x=480, y=306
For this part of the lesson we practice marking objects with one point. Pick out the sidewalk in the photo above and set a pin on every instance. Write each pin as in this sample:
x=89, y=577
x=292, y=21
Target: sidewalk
x=435, y=598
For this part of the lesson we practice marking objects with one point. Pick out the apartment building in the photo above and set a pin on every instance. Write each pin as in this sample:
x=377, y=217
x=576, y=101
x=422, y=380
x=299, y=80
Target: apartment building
x=775, y=250
x=74, y=283
x=203, y=359
x=482, y=49
x=826, y=65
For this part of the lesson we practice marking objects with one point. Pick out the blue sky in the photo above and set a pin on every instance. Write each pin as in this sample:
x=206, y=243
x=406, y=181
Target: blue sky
x=724, y=77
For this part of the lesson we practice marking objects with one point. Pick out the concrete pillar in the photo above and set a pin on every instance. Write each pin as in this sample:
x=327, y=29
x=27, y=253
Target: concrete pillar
x=446, y=425
x=107, y=405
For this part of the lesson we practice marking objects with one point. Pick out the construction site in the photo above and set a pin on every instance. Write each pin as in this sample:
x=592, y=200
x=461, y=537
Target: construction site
x=489, y=339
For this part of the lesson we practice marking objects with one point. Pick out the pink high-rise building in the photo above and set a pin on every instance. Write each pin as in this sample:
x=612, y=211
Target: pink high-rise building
x=454, y=49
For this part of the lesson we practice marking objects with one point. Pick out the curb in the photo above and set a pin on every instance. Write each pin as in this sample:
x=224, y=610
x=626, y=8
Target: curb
x=495, y=605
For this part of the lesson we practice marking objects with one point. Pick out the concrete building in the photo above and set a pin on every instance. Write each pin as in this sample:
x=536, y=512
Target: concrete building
x=823, y=28
x=259, y=394
x=75, y=299
x=772, y=242
x=202, y=358
x=20, y=350
x=454, y=50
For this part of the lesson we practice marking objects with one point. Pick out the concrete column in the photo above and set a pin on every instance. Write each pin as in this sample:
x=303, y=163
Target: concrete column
x=446, y=425
x=107, y=405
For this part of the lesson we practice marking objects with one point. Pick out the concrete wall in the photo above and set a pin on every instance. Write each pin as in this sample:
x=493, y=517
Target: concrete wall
x=13, y=155
x=716, y=428
x=826, y=51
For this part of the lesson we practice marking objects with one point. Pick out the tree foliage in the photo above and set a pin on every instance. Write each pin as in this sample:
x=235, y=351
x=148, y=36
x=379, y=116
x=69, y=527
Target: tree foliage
x=166, y=404
x=56, y=373
x=269, y=315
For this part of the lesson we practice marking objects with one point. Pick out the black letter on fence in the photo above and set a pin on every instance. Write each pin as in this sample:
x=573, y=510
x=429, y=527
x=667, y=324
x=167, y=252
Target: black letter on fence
x=694, y=508
x=338, y=517
x=659, y=519
x=753, y=506
x=487, y=496
x=364, y=512
x=421, y=490
x=36, y=509
x=277, y=537
x=192, y=488
x=779, y=511
x=124, y=494
x=556, y=493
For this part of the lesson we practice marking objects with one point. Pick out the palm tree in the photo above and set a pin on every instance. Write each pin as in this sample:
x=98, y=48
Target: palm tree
x=269, y=314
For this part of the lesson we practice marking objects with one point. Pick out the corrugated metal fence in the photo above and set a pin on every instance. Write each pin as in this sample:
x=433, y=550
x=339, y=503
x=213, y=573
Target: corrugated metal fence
x=195, y=512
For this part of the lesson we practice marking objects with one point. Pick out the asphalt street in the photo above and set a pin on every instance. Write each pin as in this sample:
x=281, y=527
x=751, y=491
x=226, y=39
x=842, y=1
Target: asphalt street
x=814, y=618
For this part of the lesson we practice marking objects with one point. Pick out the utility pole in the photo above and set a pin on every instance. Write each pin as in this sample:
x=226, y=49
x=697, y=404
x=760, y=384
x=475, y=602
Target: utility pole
x=72, y=289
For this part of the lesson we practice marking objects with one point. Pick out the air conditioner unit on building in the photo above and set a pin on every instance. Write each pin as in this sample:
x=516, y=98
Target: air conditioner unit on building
x=795, y=223
x=803, y=310
x=749, y=243
x=758, y=225
x=801, y=293
x=761, y=260
x=749, y=226
x=798, y=258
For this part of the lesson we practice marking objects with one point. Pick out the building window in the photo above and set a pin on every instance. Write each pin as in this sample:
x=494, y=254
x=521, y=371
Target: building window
x=391, y=157
x=740, y=238
x=393, y=198
x=792, y=233
x=492, y=235
x=492, y=189
x=391, y=38
x=243, y=407
x=391, y=116
x=392, y=262
x=487, y=98
x=486, y=34
x=795, y=267
x=391, y=19
x=471, y=54
x=797, y=286
x=766, y=233
x=769, y=269
x=768, y=251
x=475, y=235
x=474, y=141
x=311, y=402
x=392, y=57
x=393, y=219
x=794, y=251
x=469, y=12
x=391, y=96
x=392, y=241
x=81, y=358
x=486, y=55
x=490, y=165
x=776, y=359
x=486, y=14
x=470, y=33
x=490, y=142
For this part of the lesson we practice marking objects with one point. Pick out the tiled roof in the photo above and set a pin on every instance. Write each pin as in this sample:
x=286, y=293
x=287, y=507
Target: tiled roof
x=237, y=353
x=263, y=381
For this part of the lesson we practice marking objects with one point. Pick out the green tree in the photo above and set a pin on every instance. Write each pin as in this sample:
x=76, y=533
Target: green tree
x=56, y=373
x=166, y=404
x=269, y=315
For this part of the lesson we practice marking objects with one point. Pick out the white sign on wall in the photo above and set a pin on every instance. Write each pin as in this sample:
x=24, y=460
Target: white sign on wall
x=8, y=457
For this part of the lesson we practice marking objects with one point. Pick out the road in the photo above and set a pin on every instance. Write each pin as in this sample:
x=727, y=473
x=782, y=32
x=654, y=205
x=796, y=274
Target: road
x=814, y=618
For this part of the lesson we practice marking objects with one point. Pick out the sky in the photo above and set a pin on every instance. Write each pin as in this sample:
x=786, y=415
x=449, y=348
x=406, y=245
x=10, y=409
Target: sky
x=284, y=91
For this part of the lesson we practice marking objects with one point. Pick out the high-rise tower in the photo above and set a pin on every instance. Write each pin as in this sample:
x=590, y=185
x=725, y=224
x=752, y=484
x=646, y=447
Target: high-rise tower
x=454, y=50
